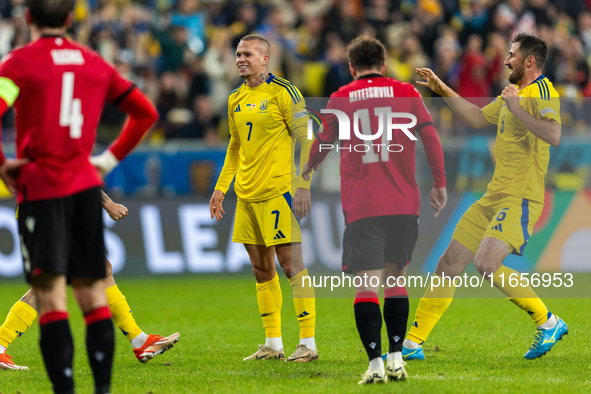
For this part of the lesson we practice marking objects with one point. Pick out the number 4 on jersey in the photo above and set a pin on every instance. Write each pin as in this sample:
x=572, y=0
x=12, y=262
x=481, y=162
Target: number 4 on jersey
x=70, y=108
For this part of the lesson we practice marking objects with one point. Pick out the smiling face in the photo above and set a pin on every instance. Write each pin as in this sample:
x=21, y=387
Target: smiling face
x=251, y=58
x=516, y=64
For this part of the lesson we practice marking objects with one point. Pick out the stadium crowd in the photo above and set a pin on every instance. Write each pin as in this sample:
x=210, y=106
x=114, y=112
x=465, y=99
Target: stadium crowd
x=181, y=52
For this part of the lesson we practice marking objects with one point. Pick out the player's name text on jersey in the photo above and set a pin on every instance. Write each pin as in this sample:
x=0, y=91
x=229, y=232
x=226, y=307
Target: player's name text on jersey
x=371, y=92
x=63, y=57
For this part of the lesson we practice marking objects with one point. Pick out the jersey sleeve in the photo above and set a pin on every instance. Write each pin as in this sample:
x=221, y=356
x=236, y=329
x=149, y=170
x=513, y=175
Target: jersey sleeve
x=232, y=154
x=492, y=110
x=327, y=134
x=547, y=109
x=119, y=87
x=10, y=82
x=11, y=78
x=419, y=109
x=296, y=118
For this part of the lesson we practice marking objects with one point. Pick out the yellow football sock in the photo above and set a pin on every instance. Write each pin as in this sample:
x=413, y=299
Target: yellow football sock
x=523, y=297
x=20, y=317
x=305, y=304
x=431, y=307
x=122, y=313
x=270, y=301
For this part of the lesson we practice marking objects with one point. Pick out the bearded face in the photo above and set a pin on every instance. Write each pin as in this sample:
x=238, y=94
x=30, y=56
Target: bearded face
x=517, y=72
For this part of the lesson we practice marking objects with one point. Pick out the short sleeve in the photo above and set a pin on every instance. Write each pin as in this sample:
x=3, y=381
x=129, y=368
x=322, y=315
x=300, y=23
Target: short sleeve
x=548, y=109
x=491, y=111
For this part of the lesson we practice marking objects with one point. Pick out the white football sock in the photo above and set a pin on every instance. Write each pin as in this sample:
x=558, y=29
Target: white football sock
x=139, y=341
x=409, y=344
x=309, y=342
x=395, y=356
x=550, y=323
x=2, y=349
x=274, y=343
x=377, y=363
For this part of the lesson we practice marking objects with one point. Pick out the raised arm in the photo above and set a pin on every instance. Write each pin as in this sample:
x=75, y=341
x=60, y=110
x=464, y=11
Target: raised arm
x=469, y=112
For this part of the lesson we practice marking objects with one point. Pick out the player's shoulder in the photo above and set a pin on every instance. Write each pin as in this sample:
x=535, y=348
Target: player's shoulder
x=543, y=88
x=283, y=86
x=236, y=92
x=399, y=88
x=14, y=55
x=90, y=55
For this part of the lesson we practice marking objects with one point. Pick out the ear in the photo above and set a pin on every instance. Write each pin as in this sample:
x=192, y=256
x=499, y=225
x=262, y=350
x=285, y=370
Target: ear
x=69, y=20
x=28, y=16
x=383, y=70
x=352, y=71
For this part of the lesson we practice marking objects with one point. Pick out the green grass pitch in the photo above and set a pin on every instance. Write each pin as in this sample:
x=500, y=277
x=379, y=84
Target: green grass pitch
x=480, y=345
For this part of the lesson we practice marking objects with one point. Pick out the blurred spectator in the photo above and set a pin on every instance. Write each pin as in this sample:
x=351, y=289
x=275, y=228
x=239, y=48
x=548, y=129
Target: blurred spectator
x=402, y=62
x=173, y=43
x=189, y=17
x=205, y=122
x=338, y=73
x=220, y=67
x=477, y=73
x=181, y=51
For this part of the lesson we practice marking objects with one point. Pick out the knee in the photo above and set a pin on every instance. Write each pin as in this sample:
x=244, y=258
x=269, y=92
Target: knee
x=484, y=265
x=446, y=266
x=285, y=263
x=262, y=275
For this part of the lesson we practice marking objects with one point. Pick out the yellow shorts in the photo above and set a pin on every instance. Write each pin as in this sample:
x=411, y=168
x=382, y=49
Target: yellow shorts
x=508, y=218
x=268, y=223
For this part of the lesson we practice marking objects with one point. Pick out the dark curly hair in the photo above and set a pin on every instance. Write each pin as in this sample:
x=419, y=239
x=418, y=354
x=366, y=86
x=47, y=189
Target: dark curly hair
x=366, y=53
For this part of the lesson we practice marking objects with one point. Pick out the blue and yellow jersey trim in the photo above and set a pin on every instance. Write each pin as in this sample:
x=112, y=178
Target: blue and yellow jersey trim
x=543, y=86
x=237, y=89
x=291, y=89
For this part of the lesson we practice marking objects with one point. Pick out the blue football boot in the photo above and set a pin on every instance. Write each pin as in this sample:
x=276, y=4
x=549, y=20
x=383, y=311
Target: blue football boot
x=412, y=354
x=545, y=339
x=409, y=354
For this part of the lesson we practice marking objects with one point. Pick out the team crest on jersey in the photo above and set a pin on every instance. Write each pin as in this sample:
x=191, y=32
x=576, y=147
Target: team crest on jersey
x=263, y=106
x=251, y=106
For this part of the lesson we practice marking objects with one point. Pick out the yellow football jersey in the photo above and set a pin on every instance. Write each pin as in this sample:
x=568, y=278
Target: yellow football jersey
x=265, y=121
x=521, y=157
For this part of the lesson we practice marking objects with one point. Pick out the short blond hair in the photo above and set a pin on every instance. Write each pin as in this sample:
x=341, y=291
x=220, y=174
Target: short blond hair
x=261, y=39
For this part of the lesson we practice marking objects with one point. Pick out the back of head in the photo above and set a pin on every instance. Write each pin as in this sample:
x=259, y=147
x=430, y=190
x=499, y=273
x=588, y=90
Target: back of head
x=366, y=53
x=530, y=45
x=50, y=13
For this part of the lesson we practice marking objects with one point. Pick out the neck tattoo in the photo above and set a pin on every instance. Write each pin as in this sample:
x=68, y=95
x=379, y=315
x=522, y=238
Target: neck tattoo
x=263, y=77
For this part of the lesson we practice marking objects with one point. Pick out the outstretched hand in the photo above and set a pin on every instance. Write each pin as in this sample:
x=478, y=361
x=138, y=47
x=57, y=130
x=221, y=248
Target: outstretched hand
x=432, y=81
